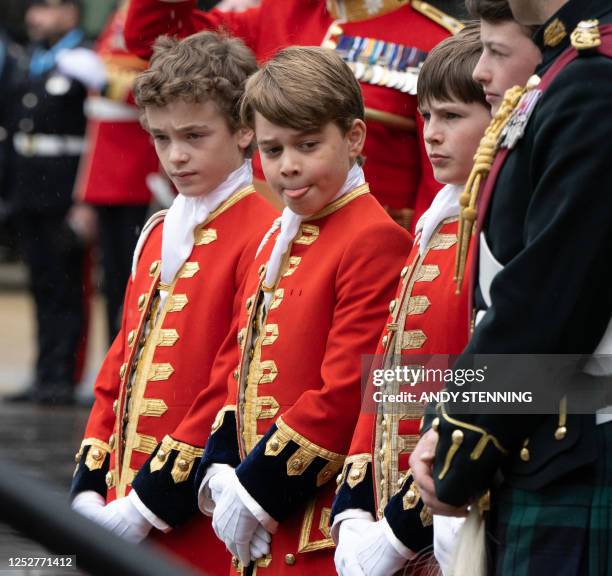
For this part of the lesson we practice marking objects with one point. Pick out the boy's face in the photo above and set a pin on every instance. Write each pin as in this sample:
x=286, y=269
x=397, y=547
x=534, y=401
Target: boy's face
x=307, y=169
x=452, y=132
x=509, y=58
x=195, y=145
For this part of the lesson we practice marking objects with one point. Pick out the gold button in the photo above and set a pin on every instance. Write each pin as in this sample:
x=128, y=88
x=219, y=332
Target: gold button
x=274, y=444
x=325, y=475
x=296, y=464
x=560, y=433
x=289, y=559
x=525, y=456
x=404, y=272
x=122, y=370
x=457, y=437
x=96, y=454
x=115, y=406
x=410, y=497
x=435, y=424
x=182, y=465
x=392, y=305
x=153, y=268
x=109, y=479
x=385, y=340
x=355, y=474
x=339, y=479
x=77, y=457
x=161, y=455
x=142, y=300
x=111, y=441
x=131, y=336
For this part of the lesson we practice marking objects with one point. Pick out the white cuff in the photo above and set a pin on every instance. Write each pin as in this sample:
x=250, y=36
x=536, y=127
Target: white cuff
x=88, y=498
x=206, y=504
x=151, y=518
x=397, y=544
x=264, y=518
x=348, y=514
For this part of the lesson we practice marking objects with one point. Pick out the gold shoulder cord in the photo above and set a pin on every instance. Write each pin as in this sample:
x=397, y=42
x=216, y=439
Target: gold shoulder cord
x=483, y=160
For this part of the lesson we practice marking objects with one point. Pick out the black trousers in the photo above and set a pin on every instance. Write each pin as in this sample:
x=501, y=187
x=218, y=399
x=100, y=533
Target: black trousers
x=118, y=228
x=56, y=263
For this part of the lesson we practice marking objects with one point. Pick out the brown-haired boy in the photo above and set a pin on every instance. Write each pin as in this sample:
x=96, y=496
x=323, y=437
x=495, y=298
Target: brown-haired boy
x=315, y=299
x=428, y=317
x=154, y=394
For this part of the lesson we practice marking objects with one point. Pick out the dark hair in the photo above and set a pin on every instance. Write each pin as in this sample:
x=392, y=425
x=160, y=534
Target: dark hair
x=496, y=12
x=205, y=66
x=447, y=71
x=303, y=88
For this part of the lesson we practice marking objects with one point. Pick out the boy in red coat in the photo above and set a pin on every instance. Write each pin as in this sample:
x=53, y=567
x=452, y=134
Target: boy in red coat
x=154, y=393
x=315, y=298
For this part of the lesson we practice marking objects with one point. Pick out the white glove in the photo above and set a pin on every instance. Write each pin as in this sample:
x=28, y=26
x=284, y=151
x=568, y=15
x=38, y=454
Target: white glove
x=88, y=504
x=124, y=519
x=446, y=535
x=378, y=550
x=260, y=543
x=84, y=66
x=232, y=521
x=350, y=535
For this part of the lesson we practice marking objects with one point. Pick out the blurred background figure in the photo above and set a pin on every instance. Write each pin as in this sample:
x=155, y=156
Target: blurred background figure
x=47, y=125
x=118, y=159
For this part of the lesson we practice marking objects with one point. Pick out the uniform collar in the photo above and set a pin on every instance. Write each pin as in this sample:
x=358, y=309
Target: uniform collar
x=553, y=37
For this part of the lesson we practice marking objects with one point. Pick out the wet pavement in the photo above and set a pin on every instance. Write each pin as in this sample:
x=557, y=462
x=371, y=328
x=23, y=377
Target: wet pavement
x=41, y=441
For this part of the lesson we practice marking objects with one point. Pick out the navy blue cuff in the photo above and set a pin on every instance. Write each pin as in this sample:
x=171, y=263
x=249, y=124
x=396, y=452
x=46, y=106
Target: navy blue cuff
x=266, y=479
x=361, y=495
x=85, y=479
x=410, y=520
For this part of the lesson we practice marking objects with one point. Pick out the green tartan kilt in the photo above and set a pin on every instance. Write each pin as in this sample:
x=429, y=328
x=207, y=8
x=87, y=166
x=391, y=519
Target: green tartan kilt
x=565, y=529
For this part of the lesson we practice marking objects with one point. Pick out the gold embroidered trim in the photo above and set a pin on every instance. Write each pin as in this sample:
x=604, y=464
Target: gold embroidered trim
x=418, y=305
x=359, y=467
x=413, y=339
x=340, y=202
x=427, y=273
x=218, y=422
x=145, y=444
x=309, y=234
x=189, y=270
x=159, y=372
x=554, y=33
x=299, y=461
x=408, y=442
x=204, y=236
x=305, y=544
x=183, y=464
x=411, y=497
x=96, y=454
x=177, y=302
x=277, y=299
x=356, y=10
x=267, y=407
x=233, y=199
x=294, y=262
x=586, y=35
x=271, y=334
x=327, y=472
x=445, y=20
x=167, y=337
x=426, y=516
x=442, y=241
x=267, y=372
x=155, y=407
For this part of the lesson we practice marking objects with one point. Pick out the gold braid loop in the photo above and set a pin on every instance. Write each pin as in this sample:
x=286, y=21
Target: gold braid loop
x=483, y=160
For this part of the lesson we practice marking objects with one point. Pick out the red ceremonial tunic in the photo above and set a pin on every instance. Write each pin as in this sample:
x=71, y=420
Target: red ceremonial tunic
x=294, y=397
x=397, y=165
x=119, y=153
x=154, y=399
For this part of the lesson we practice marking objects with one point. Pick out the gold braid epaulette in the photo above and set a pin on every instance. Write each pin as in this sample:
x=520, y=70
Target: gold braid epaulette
x=483, y=160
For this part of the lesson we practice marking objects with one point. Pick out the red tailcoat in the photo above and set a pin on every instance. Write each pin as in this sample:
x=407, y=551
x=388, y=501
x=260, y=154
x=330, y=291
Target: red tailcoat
x=427, y=316
x=397, y=165
x=119, y=153
x=154, y=399
x=296, y=392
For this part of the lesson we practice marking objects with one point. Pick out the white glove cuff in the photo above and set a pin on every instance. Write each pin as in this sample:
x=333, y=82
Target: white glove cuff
x=397, y=544
x=348, y=514
x=145, y=514
x=88, y=498
x=206, y=504
x=264, y=518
